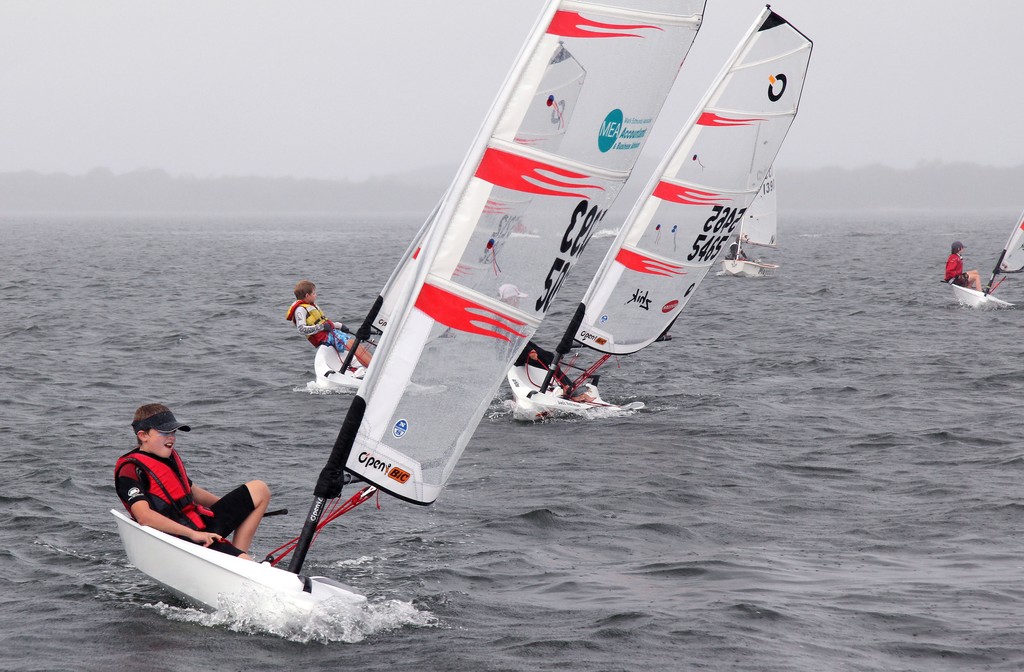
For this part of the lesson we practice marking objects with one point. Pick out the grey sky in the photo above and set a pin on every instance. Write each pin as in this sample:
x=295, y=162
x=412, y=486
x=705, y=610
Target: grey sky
x=347, y=89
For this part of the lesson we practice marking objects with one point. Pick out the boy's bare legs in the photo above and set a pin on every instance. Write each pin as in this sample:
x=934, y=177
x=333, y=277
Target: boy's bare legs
x=260, y=494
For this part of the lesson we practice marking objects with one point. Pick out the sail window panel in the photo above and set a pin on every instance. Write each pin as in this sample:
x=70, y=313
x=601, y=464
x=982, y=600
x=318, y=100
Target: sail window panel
x=551, y=107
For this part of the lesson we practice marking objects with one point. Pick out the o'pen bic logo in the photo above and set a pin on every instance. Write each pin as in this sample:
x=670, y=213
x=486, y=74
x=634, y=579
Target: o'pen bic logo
x=610, y=129
x=401, y=427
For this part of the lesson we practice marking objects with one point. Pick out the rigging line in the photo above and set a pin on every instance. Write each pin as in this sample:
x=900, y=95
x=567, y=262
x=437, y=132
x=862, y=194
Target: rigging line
x=336, y=510
x=589, y=373
x=559, y=376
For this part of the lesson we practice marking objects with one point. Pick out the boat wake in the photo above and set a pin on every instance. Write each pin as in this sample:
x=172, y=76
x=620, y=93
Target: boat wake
x=257, y=611
x=313, y=387
x=509, y=409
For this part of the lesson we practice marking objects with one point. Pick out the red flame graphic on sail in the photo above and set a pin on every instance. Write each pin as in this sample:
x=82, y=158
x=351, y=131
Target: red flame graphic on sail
x=687, y=195
x=712, y=119
x=572, y=24
x=642, y=264
x=492, y=207
x=459, y=313
x=507, y=170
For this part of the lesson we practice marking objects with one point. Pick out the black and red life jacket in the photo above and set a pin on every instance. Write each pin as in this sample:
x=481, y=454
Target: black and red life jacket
x=167, y=490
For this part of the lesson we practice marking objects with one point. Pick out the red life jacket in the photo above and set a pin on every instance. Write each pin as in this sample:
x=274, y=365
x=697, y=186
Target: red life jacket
x=168, y=491
x=954, y=266
x=313, y=316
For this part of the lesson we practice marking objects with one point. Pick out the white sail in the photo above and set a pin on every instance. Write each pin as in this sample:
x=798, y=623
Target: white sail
x=554, y=158
x=698, y=195
x=759, y=225
x=1012, y=258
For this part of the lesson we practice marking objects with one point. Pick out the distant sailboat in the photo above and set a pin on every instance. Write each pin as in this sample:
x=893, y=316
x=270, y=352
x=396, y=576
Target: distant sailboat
x=759, y=228
x=1011, y=260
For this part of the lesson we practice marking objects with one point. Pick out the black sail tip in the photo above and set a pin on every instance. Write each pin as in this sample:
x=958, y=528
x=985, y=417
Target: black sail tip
x=773, y=20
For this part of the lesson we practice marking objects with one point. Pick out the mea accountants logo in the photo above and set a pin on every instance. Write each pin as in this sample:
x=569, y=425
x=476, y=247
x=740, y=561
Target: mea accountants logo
x=610, y=129
x=622, y=133
x=779, y=79
x=670, y=306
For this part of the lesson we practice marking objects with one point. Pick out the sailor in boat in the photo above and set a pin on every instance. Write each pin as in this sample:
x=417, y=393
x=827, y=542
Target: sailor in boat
x=735, y=253
x=955, y=273
x=153, y=485
x=538, y=356
x=533, y=353
x=311, y=322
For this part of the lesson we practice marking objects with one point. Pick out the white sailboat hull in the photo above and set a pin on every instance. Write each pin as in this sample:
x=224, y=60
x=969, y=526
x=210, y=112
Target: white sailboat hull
x=975, y=299
x=747, y=268
x=327, y=365
x=201, y=576
x=531, y=405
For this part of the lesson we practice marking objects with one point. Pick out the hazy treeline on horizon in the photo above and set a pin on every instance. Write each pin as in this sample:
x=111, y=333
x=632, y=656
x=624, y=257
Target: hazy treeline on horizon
x=959, y=186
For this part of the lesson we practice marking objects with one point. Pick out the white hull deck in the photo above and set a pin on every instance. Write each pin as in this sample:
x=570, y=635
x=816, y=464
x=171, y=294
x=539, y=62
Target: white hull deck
x=327, y=365
x=975, y=299
x=201, y=576
x=747, y=268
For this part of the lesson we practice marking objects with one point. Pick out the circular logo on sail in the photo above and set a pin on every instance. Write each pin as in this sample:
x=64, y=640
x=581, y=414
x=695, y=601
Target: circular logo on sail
x=670, y=306
x=779, y=79
x=610, y=129
x=401, y=427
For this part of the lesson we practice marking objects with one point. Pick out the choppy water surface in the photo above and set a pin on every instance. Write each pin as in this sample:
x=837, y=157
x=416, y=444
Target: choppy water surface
x=826, y=475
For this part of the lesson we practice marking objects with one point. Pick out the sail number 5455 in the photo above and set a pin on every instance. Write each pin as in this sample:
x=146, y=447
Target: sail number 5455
x=717, y=229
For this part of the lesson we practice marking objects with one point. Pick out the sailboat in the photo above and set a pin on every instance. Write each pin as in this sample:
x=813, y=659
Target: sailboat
x=758, y=229
x=555, y=149
x=686, y=213
x=1011, y=260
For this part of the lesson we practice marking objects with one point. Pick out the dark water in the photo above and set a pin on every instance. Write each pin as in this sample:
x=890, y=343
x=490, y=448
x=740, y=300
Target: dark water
x=826, y=476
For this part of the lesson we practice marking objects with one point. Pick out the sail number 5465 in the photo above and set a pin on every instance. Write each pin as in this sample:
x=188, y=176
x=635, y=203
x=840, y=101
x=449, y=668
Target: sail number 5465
x=717, y=229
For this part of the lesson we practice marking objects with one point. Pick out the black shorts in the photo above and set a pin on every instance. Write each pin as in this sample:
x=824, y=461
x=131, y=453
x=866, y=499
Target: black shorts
x=229, y=512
